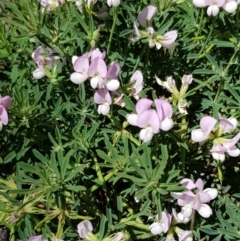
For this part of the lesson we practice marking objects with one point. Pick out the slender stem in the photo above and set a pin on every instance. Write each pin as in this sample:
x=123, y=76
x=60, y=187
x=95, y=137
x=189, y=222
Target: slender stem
x=193, y=220
x=113, y=29
x=183, y=150
x=223, y=75
x=61, y=222
x=208, y=37
x=200, y=22
x=98, y=170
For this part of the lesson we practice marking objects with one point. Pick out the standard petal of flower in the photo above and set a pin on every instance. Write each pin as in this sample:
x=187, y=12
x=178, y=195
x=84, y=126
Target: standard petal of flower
x=199, y=184
x=199, y=135
x=81, y=65
x=146, y=15
x=207, y=124
x=3, y=115
x=204, y=197
x=186, y=198
x=6, y=101
x=188, y=183
x=101, y=96
x=78, y=78
x=113, y=71
x=205, y=211
x=199, y=3
x=143, y=105
x=169, y=39
x=97, y=68
x=166, y=219
x=212, y=192
x=132, y=119
x=164, y=109
x=149, y=118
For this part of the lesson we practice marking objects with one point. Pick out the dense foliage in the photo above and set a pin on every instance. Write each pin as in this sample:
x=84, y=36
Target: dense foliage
x=119, y=120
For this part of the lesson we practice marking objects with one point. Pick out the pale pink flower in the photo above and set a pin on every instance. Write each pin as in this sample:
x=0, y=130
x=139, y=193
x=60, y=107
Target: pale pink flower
x=161, y=226
x=98, y=71
x=136, y=82
x=85, y=229
x=146, y=15
x=5, y=103
x=198, y=200
x=207, y=124
x=103, y=98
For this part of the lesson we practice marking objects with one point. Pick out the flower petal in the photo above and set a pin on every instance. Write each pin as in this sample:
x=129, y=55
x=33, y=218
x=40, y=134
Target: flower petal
x=132, y=119
x=199, y=135
x=212, y=192
x=146, y=15
x=143, y=105
x=188, y=183
x=78, y=78
x=207, y=124
x=205, y=211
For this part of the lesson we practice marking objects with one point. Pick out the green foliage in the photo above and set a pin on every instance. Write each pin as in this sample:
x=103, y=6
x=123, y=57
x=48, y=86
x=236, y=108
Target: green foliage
x=61, y=162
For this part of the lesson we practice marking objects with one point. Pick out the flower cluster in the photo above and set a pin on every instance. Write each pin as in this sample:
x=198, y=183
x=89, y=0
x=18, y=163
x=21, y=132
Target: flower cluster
x=177, y=96
x=91, y=65
x=197, y=200
x=47, y=63
x=150, y=120
x=5, y=103
x=214, y=6
x=154, y=40
x=165, y=225
x=221, y=145
x=189, y=201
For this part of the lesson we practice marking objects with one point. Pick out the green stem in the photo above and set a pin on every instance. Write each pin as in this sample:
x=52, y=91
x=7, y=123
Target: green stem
x=200, y=22
x=138, y=225
x=206, y=42
x=98, y=170
x=13, y=238
x=106, y=178
x=61, y=222
x=183, y=150
x=113, y=29
x=223, y=75
x=193, y=220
